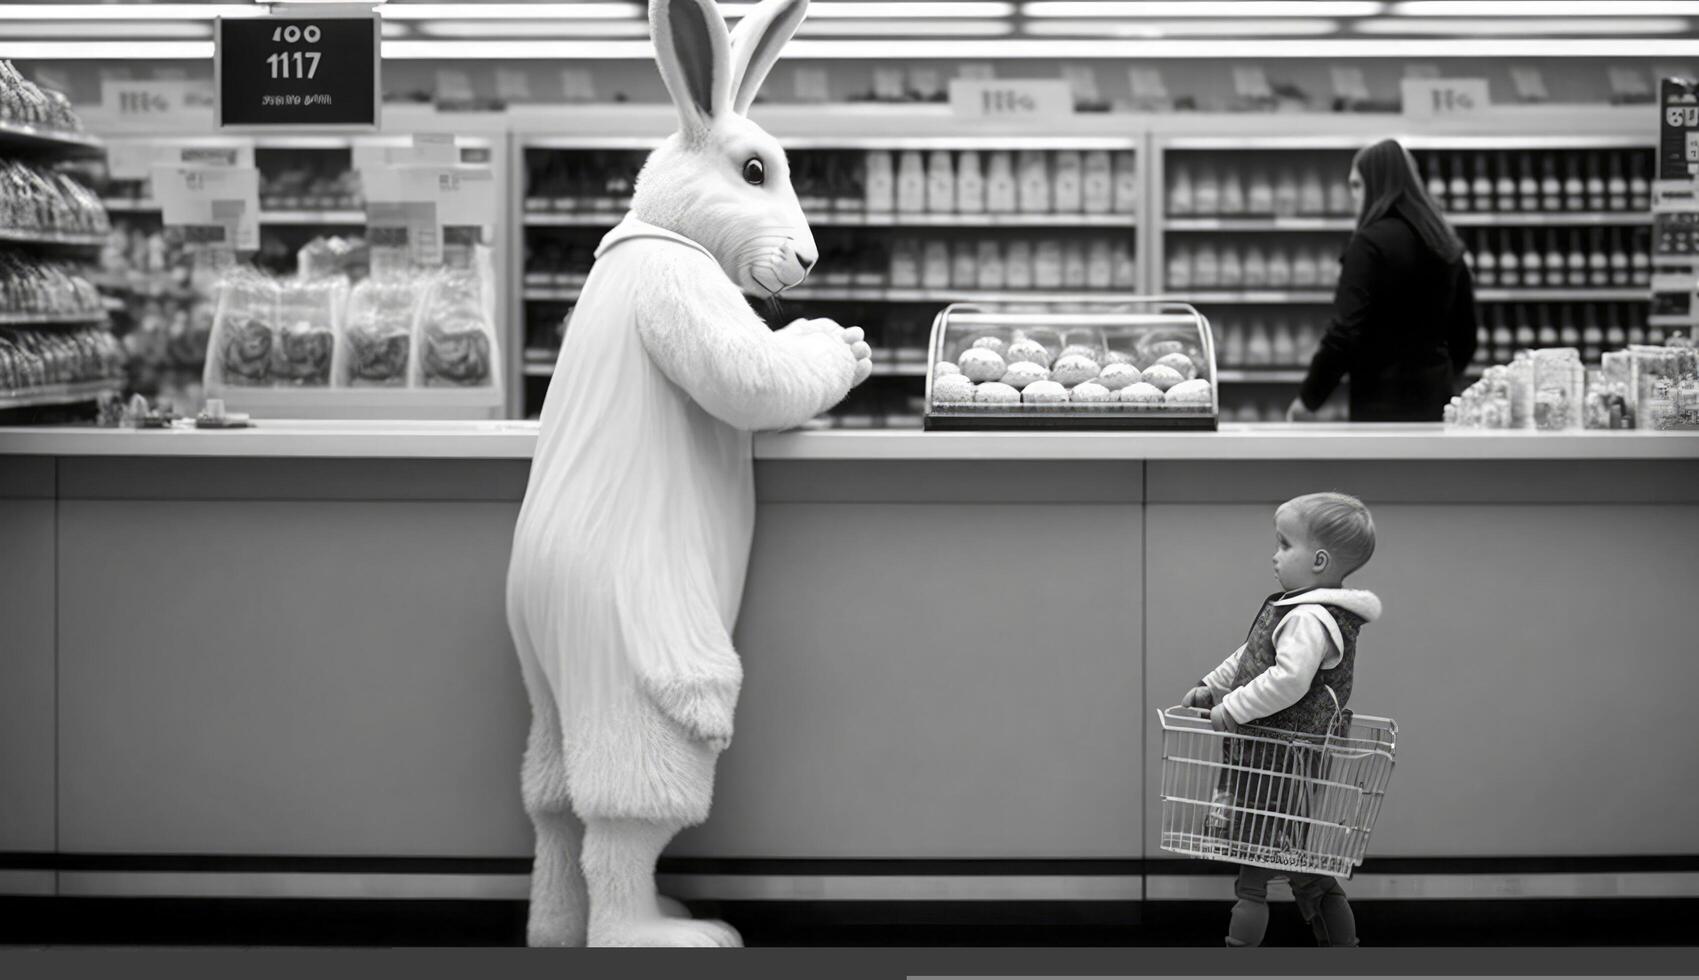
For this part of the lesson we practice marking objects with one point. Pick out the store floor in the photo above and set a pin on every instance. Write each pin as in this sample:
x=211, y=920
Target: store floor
x=187, y=922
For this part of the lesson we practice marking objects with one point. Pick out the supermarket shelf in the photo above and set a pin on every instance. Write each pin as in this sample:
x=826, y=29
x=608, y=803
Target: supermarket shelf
x=1259, y=376
x=60, y=394
x=539, y=370
x=878, y=295
x=1255, y=297
x=1518, y=219
x=830, y=219
x=1282, y=223
x=545, y=294
x=1640, y=294
x=17, y=136
x=300, y=217
x=48, y=238
x=129, y=205
x=49, y=320
x=1668, y=320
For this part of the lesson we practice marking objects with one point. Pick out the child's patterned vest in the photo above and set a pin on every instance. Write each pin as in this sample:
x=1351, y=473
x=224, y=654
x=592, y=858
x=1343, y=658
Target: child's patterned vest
x=1315, y=711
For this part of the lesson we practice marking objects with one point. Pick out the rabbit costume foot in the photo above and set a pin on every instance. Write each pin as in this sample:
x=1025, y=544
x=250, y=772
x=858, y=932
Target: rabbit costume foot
x=619, y=870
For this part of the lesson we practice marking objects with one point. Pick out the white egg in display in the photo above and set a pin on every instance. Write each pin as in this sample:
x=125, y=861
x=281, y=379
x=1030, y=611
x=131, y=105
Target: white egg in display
x=993, y=344
x=1071, y=369
x=1028, y=350
x=1194, y=392
x=1023, y=373
x=952, y=388
x=1119, y=357
x=996, y=392
x=1091, y=354
x=1141, y=393
x=982, y=364
x=1044, y=393
x=1160, y=375
x=1118, y=376
x=1180, y=363
x=1090, y=391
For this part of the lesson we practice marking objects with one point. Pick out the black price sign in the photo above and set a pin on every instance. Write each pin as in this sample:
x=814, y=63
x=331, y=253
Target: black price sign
x=302, y=72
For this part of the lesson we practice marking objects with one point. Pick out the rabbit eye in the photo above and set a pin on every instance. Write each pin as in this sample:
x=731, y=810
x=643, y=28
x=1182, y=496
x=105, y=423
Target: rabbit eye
x=754, y=172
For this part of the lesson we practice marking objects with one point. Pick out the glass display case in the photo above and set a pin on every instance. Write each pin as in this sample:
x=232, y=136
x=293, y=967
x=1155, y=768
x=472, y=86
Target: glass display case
x=1144, y=364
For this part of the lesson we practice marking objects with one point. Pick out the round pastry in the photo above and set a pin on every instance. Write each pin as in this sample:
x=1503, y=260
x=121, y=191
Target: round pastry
x=1141, y=393
x=1118, y=376
x=1023, y=373
x=1090, y=391
x=1071, y=369
x=952, y=388
x=1159, y=348
x=992, y=344
x=1029, y=350
x=1044, y=393
x=1162, y=376
x=943, y=368
x=995, y=391
x=1119, y=357
x=1180, y=363
x=1091, y=354
x=982, y=364
x=1194, y=392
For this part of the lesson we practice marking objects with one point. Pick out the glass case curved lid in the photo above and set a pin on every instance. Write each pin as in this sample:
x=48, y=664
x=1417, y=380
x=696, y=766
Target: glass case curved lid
x=1154, y=358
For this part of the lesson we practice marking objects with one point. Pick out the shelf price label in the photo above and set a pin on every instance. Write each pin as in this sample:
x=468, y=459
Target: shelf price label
x=1432, y=97
x=298, y=71
x=1010, y=98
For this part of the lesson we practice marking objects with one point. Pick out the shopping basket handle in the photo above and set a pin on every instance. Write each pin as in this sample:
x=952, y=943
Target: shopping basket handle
x=1181, y=709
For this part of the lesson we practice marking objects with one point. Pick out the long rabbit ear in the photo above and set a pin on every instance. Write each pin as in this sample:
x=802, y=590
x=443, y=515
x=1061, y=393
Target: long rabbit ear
x=694, y=52
x=756, y=44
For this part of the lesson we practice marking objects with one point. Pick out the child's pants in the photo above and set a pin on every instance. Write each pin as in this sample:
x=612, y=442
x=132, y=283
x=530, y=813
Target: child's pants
x=1320, y=899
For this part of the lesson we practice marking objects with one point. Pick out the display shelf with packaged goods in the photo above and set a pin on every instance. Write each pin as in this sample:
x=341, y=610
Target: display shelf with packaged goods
x=16, y=137
x=905, y=224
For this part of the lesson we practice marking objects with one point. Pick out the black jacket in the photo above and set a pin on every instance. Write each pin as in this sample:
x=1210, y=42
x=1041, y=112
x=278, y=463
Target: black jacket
x=1403, y=328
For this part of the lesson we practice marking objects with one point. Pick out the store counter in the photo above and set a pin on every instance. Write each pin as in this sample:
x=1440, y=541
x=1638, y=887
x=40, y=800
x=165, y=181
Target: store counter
x=227, y=652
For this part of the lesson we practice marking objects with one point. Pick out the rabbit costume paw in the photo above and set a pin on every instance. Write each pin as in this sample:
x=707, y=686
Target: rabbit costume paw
x=632, y=543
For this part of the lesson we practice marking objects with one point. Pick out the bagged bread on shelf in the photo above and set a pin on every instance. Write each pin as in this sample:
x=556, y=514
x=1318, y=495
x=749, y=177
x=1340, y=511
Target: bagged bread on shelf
x=376, y=342
x=309, y=320
x=455, y=336
x=244, y=330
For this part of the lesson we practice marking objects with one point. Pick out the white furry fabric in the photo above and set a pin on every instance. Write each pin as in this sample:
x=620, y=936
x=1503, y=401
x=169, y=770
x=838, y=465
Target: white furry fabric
x=633, y=540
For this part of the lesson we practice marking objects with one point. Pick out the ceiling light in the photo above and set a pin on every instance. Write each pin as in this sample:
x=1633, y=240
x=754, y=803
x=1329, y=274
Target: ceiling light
x=1180, y=28
x=512, y=11
x=1202, y=8
x=534, y=28
x=936, y=28
x=1546, y=8
x=904, y=10
x=105, y=50
x=84, y=29
x=1514, y=27
x=127, y=11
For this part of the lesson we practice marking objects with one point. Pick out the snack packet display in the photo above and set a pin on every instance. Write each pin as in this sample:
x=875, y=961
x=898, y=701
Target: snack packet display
x=455, y=339
x=309, y=319
x=377, y=334
x=244, y=330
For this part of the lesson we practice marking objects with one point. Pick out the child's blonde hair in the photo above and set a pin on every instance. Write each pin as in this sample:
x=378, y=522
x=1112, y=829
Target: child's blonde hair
x=1340, y=523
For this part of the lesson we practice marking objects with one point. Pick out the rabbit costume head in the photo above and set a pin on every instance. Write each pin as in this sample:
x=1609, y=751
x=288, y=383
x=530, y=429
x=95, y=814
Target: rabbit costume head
x=721, y=180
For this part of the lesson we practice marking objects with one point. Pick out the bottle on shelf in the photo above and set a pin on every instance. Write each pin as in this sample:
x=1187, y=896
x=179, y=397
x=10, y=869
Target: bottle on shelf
x=1001, y=195
x=1436, y=183
x=1527, y=334
x=1124, y=270
x=905, y=264
x=1180, y=199
x=1620, y=274
x=1509, y=265
x=1230, y=345
x=1017, y=265
x=1097, y=183
x=1286, y=193
x=1597, y=199
x=1636, y=334
x=1100, y=265
x=964, y=265
x=1504, y=187
x=1259, y=193
x=1206, y=267
x=1232, y=272
x=940, y=182
x=1504, y=334
x=1312, y=196
x=1567, y=333
x=1279, y=269
x=1047, y=264
x=1592, y=337
x=990, y=259
x=1598, y=271
x=1615, y=337
x=1527, y=187
x=1305, y=273
x=1282, y=349
x=935, y=265
x=1232, y=192
x=1551, y=185
x=881, y=185
x=1339, y=199
x=1206, y=192
x=1457, y=191
x=1033, y=176
x=1574, y=185
x=911, y=182
x=1481, y=187
x=1555, y=262
x=1616, y=186
x=1533, y=272
x=1547, y=335
x=970, y=184
x=1640, y=258
x=1180, y=268
x=1126, y=183
x=1068, y=183
x=1486, y=261
x=1259, y=349
x=1075, y=268
x=1639, y=191
x=1256, y=267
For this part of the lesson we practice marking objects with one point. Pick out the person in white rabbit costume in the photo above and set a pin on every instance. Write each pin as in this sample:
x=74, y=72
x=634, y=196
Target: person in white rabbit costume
x=633, y=540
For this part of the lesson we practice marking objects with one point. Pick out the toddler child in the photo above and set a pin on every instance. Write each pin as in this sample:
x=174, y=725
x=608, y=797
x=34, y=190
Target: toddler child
x=1293, y=672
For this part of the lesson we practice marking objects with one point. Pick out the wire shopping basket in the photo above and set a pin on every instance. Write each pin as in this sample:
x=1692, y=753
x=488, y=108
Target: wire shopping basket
x=1276, y=799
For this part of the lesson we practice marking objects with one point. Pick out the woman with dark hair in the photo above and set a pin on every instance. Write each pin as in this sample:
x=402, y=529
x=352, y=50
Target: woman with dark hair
x=1404, y=311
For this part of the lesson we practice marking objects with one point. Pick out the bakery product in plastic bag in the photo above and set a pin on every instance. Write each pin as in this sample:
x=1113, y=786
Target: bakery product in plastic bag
x=309, y=314
x=244, y=330
x=377, y=333
x=455, y=338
